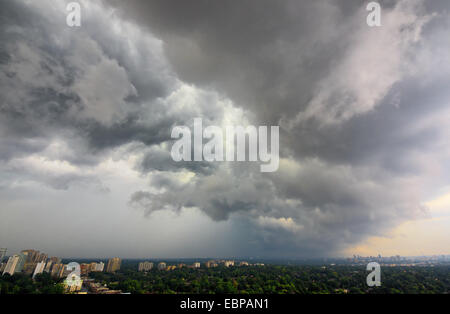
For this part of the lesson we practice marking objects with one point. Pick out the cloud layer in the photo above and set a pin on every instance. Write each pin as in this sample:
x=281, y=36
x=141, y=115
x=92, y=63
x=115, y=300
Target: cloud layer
x=362, y=111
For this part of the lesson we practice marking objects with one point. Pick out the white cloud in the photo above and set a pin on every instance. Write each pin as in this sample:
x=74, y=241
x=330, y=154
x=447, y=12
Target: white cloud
x=283, y=223
x=376, y=59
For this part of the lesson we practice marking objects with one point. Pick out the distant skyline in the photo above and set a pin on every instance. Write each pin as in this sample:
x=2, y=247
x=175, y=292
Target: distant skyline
x=86, y=115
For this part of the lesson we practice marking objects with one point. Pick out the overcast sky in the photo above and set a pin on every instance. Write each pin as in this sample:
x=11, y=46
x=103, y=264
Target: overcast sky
x=86, y=115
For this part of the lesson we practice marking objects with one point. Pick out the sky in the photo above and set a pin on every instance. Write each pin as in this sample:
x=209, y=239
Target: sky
x=86, y=115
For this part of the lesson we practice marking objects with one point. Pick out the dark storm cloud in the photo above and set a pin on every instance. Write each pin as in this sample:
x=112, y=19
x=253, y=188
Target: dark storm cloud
x=261, y=46
x=361, y=110
x=353, y=152
x=56, y=82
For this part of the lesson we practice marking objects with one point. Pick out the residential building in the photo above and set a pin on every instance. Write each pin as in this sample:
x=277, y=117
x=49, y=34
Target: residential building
x=32, y=256
x=10, y=267
x=145, y=266
x=15, y=264
x=42, y=257
x=29, y=267
x=48, y=267
x=162, y=266
x=113, y=265
x=228, y=263
x=85, y=268
x=100, y=266
x=39, y=269
x=57, y=270
x=55, y=260
x=2, y=253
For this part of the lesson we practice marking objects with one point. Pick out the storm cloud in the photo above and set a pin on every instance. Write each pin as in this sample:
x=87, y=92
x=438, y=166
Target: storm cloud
x=363, y=111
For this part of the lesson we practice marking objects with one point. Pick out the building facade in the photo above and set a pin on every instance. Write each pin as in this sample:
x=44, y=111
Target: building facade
x=39, y=269
x=113, y=265
x=162, y=266
x=2, y=254
x=145, y=266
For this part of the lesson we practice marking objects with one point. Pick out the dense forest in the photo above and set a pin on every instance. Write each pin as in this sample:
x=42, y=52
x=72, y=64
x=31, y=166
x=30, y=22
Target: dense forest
x=279, y=279
x=23, y=284
x=271, y=279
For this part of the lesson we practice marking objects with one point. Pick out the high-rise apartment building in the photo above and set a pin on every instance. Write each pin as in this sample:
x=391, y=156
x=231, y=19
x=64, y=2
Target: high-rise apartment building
x=100, y=266
x=48, y=267
x=39, y=269
x=11, y=265
x=32, y=256
x=15, y=264
x=20, y=263
x=113, y=264
x=2, y=253
x=29, y=267
x=42, y=257
x=55, y=260
x=57, y=270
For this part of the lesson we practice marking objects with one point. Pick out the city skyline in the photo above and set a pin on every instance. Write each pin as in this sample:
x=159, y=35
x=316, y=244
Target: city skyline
x=151, y=257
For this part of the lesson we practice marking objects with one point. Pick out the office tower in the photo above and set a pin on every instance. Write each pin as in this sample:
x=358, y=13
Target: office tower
x=113, y=265
x=162, y=266
x=2, y=254
x=39, y=269
x=145, y=266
